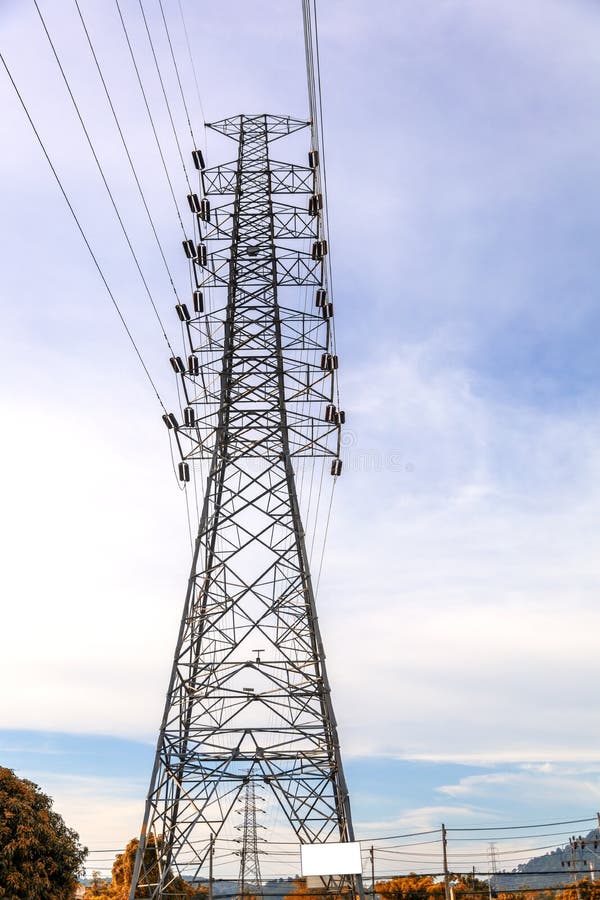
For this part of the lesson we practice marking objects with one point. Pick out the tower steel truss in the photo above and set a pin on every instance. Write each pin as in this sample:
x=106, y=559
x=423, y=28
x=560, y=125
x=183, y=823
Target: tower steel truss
x=259, y=385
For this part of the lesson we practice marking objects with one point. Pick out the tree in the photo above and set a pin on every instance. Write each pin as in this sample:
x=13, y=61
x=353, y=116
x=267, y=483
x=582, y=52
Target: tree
x=410, y=887
x=40, y=858
x=300, y=891
x=425, y=887
x=582, y=890
x=472, y=888
x=98, y=886
x=122, y=874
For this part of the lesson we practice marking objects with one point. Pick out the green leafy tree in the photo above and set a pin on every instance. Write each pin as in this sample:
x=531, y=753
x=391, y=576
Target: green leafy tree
x=40, y=857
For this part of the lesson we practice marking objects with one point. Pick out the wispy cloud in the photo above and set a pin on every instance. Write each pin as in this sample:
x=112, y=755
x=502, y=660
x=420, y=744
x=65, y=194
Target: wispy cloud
x=106, y=812
x=459, y=592
x=480, y=557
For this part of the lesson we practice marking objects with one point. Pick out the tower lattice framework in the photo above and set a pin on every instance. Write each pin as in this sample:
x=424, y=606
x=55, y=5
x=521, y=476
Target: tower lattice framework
x=249, y=698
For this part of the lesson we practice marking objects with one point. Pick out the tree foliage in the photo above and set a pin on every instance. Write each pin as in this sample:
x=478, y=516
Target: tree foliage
x=410, y=887
x=582, y=890
x=425, y=887
x=40, y=858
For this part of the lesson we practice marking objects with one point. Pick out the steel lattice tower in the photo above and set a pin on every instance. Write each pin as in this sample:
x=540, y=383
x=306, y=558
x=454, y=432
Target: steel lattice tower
x=250, y=880
x=259, y=384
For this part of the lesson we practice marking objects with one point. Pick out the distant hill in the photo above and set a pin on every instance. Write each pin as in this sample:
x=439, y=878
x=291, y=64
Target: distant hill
x=555, y=863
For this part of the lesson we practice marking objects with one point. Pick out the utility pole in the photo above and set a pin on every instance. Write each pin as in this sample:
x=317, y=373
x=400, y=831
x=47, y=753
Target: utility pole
x=258, y=379
x=447, y=893
x=582, y=844
x=372, y=858
x=573, y=862
x=211, y=857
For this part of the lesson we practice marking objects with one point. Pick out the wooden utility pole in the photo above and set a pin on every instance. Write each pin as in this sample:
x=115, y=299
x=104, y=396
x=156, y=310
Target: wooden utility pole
x=573, y=846
x=447, y=895
x=211, y=853
x=372, y=858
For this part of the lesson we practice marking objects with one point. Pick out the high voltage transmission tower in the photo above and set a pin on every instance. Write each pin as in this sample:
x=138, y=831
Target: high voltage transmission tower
x=249, y=879
x=493, y=855
x=259, y=382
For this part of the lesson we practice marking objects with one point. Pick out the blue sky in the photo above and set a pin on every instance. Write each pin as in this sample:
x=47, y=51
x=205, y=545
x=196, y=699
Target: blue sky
x=459, y=596
x=102, y=781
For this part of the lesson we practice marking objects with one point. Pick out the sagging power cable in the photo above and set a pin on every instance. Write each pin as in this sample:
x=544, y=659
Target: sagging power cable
x=178, y=76
x=127, y=153
x=150, y=117
x=104, y=179
x=83, y=235
x=164, y=93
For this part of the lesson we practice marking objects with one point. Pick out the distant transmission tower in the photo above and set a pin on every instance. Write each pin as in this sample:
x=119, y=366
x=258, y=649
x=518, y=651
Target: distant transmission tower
x=250, y=883
x=259, y=388
x=493, y=855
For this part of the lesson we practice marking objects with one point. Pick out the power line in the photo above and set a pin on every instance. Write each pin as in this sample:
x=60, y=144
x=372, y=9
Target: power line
x=393, y=837
x=372, y=840
x=84, y=236
x=133, y=169
x=313, y=79
x=164, y=93
x=315, y=96
x=325, y=535
x=176, y=67
x=191, y=56
x=517, y=838
x=469, y=873
x=297, y=844
x=393, y=847
x=150, y=117
x=517, y=827
x=103, y=176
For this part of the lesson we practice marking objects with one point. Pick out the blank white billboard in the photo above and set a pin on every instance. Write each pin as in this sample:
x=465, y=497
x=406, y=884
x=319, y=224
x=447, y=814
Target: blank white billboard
x=331, y=859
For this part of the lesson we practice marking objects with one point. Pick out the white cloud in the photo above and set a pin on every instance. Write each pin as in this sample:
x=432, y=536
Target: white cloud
x=422, y=818
x=482, y=570
x=105, y=812
x=551, y=787
x=458, y=601
x=473, y=784
x=465, y=627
